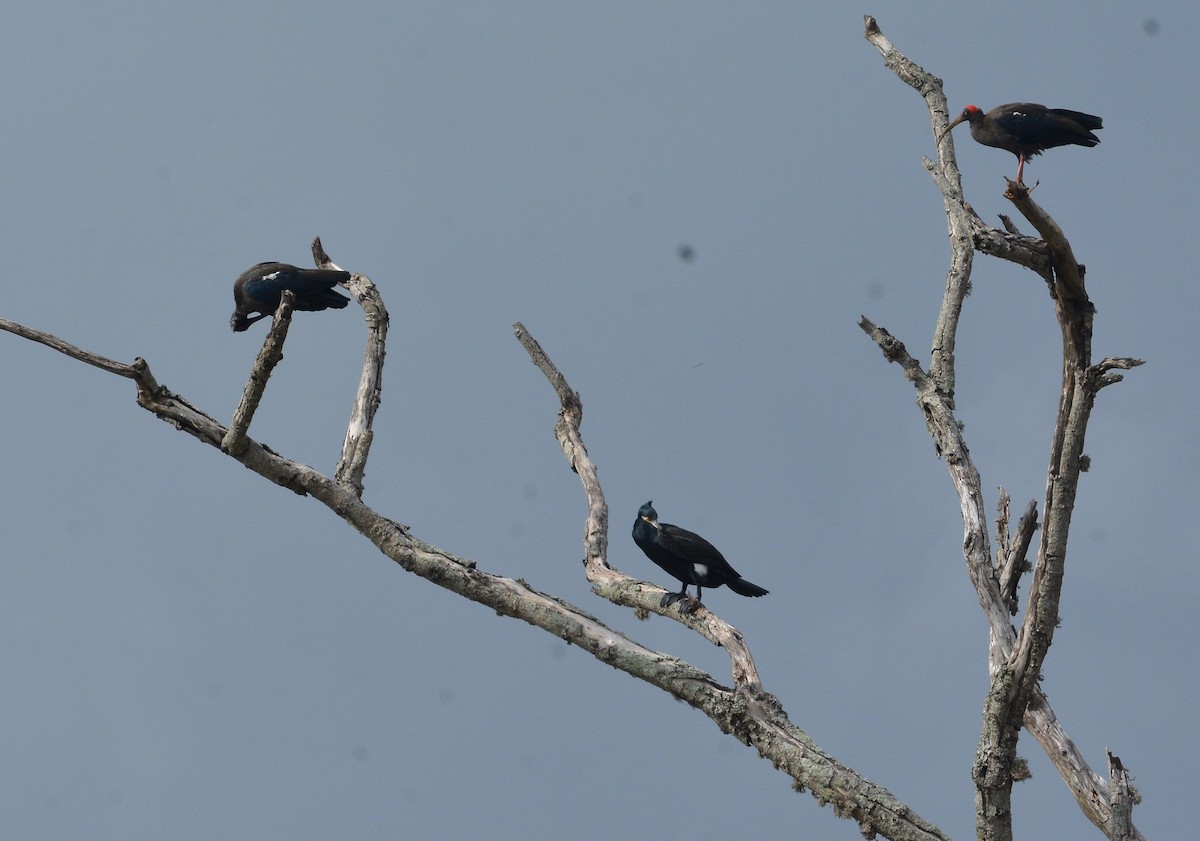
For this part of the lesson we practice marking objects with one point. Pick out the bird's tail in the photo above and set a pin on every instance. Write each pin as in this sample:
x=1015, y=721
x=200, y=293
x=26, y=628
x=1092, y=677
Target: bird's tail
x=1088, y=121
x=744, y=588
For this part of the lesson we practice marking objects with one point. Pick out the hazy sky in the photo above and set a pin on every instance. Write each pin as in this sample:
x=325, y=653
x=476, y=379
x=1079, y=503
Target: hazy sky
x=191, y=652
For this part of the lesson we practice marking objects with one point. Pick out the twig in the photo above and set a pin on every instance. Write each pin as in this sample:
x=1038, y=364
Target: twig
x=50, y=341
x=150, y=395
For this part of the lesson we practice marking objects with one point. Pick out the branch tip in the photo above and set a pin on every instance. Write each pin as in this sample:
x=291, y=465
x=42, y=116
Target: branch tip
x=322, y=259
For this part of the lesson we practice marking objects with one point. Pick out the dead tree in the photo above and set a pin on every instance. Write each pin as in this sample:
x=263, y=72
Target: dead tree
x=746, y=709
x=1016, y=656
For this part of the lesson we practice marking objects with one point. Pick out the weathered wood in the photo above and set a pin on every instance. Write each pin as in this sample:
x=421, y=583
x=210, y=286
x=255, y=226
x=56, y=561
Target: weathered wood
x=1014, y=698
x=356, y=447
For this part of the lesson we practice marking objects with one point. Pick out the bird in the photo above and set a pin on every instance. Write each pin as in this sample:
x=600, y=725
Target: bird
x=259, y=287
x=1027, y=129
x=686, y=556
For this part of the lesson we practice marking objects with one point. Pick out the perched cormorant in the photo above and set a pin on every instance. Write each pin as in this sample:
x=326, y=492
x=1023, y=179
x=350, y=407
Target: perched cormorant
x=1027, y=129
x=258, y=290
x=686, y=556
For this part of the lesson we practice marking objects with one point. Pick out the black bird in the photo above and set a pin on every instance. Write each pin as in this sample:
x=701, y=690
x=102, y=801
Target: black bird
x=1026, y=129
x=259, y=287
x=686, y=556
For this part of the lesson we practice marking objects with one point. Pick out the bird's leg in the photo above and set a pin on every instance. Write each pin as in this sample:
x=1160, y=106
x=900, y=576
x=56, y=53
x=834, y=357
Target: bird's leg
x=1021, y=169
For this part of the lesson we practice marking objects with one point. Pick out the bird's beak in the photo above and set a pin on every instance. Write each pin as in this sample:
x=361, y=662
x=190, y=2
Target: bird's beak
x=946, y=131
x=651, y=522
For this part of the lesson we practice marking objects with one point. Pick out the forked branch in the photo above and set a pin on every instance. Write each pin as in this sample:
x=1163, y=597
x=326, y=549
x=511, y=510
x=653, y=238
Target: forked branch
x=763, y=724
x=746, y=711
x=1014, y=698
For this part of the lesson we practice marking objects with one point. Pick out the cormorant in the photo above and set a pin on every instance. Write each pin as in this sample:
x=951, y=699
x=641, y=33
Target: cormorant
x=686, y=556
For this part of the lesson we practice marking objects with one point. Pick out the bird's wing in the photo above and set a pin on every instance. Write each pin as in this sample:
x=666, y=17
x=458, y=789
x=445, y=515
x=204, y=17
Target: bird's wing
x=268, y=287
x=325, y=299
x=1023, y=121
x=1046, y=127
x=312, y=287
x=691, y=546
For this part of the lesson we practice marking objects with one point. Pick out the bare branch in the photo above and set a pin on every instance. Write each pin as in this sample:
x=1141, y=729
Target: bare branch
x=948, y=439
x=50, y=341
x=1003, y=511
x=150, y=395
x=908, y=71
x=762, y=722
x=1009, y=225
x=1014, y=560
x=752, y=715
x=1013, y=247
x=606, y=581
x=949, y=181
x=1100, y=373
x=1075, y=313
x=1081, y=382
x=352, y=464
x=1040, y=720
x=268, y=357
x=1120, y=828
x=1014, y=697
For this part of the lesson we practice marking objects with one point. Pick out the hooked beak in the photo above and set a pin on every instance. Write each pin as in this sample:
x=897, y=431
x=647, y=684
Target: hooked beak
x=651, y=522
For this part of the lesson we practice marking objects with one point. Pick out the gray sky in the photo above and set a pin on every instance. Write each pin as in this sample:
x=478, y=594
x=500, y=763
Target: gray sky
x=193, y=653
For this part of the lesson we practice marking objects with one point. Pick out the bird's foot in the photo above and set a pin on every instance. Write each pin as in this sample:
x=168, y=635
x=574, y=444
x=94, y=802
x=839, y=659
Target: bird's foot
x=670, y=599
x=687, y=605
